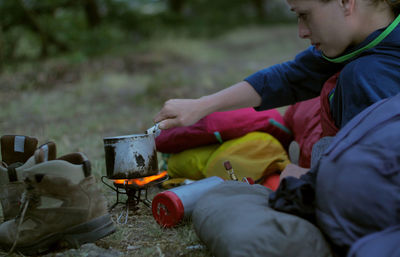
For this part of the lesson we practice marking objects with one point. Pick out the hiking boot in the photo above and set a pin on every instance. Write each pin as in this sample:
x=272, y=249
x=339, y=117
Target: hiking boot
x=59, y=209
x=12, y=174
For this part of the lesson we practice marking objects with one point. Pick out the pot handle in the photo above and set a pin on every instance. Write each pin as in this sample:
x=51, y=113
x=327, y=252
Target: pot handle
x=154, y=130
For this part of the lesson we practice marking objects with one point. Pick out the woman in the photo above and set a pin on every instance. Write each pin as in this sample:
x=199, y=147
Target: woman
x=358, y=38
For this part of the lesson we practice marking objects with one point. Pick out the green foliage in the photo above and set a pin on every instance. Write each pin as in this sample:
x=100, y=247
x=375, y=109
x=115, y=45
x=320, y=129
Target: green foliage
x=10, y=13
x=32, y=29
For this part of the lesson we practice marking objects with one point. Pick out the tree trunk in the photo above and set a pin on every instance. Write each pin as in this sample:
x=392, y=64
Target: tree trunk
x=175, y=6
x=259, y=6
x=92, y=13
x=2, y=54
x=46, y=38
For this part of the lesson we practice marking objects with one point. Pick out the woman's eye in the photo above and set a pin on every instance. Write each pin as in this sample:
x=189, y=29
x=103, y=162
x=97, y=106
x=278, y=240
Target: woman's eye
x=302, y=16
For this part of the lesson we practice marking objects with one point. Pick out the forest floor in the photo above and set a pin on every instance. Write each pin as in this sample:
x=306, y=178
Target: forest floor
x=76, y=105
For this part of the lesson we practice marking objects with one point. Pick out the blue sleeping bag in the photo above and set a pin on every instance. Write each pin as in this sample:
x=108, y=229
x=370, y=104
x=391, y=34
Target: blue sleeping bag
x=353, y=194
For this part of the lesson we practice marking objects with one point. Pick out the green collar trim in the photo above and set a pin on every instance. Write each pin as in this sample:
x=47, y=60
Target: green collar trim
x=373, y=43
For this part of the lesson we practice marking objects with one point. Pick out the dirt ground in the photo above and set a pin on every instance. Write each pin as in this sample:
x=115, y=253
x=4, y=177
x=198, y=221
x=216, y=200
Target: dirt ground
x=77, y=105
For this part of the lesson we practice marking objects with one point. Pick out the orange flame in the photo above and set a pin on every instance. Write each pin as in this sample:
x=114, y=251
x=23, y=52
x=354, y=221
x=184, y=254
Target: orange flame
x=140, y=181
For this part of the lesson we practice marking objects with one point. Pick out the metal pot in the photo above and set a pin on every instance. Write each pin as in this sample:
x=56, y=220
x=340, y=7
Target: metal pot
x=131, y=156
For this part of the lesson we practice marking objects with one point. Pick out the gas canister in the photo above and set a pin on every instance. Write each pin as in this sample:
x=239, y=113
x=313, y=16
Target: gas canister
x=171, y=206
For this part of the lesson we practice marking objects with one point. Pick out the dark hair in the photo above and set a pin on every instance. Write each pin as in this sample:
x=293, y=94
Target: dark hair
x=394, y=5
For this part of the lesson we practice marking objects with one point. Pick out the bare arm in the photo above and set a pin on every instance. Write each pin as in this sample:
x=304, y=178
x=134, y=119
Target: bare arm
x=185, y=112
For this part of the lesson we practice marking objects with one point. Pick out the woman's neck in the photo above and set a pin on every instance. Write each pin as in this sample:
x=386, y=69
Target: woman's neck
x=372, y=21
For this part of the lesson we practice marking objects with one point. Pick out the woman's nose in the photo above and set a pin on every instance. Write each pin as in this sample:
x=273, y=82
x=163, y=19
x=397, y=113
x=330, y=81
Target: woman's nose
x=304, y=31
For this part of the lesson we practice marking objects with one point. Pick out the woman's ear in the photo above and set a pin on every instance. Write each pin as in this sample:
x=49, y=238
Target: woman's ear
x=347, y=6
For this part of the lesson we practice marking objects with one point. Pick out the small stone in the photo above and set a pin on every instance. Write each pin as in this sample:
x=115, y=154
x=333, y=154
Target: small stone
x=195, y=247
x=88, y=250
x=132, y=247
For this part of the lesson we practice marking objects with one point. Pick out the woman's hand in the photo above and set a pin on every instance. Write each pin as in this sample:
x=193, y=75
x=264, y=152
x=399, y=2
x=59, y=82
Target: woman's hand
x=292, y=170
x=185, y=112
x=180, y=112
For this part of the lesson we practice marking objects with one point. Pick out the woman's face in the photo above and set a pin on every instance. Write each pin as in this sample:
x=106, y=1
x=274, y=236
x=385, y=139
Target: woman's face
x=325, y=24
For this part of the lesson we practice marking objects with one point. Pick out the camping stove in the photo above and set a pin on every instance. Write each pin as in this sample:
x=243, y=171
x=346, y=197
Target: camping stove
x=135, y=190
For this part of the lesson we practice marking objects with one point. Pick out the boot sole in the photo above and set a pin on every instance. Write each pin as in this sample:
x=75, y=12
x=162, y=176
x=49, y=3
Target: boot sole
x=73, y=237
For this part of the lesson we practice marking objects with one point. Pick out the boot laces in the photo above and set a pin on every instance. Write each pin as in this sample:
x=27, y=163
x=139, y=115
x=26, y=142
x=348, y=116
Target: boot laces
x=28, y=196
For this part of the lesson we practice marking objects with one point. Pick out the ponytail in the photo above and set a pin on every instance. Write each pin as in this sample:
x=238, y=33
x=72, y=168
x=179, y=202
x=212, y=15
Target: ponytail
x=394, y=5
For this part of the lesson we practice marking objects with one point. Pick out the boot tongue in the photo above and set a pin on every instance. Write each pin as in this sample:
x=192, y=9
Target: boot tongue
x=78, y=158
x=46, y=152
x=17, y=148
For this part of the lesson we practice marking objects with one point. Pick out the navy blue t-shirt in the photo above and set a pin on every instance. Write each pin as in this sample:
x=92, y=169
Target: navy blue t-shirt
x=372, y=75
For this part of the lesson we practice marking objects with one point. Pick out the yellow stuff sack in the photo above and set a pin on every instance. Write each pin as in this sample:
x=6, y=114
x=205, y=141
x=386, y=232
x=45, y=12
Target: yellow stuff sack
x=255, y=155
x=190, y=163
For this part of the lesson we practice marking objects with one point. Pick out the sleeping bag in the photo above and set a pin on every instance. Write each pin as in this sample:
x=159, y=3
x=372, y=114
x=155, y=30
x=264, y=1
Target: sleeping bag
x=354, y=189
x=234, y=220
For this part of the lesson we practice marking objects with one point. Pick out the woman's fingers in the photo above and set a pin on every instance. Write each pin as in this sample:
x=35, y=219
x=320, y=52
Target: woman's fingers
x=178, y=112
x=169, y=123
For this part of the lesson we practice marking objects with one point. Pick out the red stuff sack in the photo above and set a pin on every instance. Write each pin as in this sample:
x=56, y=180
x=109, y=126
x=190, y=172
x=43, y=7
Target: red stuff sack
x=218, y=127
x=304, y=119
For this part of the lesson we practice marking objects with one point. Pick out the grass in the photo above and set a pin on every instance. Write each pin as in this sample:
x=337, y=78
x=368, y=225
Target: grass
x=77, y=104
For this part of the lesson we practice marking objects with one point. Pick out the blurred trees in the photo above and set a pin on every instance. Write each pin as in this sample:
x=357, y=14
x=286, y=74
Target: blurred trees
x=31, y=29
x=175, y=6
x=260, y=8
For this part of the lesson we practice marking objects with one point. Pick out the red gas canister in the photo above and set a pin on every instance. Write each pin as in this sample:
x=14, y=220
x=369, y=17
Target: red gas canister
x=169, y=207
